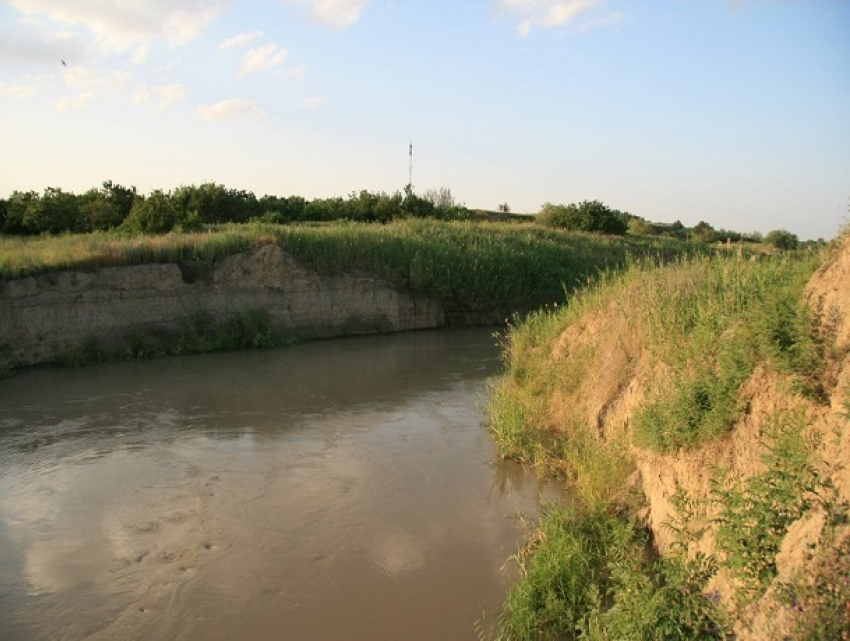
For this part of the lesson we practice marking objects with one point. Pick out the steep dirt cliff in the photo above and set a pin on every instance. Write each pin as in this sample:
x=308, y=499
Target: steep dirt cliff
x=44, y=317
x=715, y=400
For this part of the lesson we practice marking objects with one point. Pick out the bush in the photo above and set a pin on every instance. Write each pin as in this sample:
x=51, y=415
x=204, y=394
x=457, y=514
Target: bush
x=782, y=239
x=155, y=214
x=589, y=216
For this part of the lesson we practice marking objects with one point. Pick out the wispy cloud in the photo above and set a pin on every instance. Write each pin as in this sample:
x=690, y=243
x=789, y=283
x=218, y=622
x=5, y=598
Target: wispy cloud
x=297, y=71
x=338, y=14
x=239, y=41
x=76, y=102
x=118, y=25
x=141, y=94
x=169, y=94
x=312, y=103
x=262, y=58
x=552, y=14
x=30, y=42
x=140, y=55
x=26, y=87
x=230, y=109
x=607, y=20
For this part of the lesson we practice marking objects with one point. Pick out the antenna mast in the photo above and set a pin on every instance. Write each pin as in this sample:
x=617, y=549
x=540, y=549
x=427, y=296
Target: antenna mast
x=410, y=171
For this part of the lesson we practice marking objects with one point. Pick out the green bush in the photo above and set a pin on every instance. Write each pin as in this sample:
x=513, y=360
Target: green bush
x=755, y=512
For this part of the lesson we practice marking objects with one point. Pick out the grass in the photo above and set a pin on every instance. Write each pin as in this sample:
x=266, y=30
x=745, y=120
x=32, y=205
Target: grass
x=197, y=333
x=701, y=325
x=476, y=265
x=756, y=512
x=590, y=575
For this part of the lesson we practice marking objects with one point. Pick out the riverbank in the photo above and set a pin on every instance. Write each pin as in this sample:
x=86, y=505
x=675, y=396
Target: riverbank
x=700, y=411
x=76, y=299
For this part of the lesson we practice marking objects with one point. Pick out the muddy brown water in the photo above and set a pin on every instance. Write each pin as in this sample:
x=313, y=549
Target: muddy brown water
x=344, y=489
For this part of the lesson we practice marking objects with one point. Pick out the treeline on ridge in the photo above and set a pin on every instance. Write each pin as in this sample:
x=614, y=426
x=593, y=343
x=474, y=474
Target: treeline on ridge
x=189, y=208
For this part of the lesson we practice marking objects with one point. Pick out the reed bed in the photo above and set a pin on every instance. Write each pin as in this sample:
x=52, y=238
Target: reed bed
x=480, y=266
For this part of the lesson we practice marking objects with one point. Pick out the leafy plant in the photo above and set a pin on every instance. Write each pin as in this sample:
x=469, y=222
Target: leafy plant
x=755, y=512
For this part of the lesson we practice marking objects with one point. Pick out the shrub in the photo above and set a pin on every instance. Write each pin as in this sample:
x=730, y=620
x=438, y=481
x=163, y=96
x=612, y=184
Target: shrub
x=781, y=239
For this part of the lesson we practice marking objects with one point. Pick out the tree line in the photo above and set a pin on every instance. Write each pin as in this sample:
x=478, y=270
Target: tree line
x=114, y=206
x=187, y=208
x=595, y=216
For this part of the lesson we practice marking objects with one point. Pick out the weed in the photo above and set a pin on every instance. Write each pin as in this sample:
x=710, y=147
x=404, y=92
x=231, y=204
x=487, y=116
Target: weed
x=565, y=574
x=755, y=513
x=820, y=602
x=660, y=599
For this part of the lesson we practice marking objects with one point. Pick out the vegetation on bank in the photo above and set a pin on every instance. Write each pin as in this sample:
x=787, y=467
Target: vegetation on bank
x=190, y=207
x=687, y=338
x=479, y=266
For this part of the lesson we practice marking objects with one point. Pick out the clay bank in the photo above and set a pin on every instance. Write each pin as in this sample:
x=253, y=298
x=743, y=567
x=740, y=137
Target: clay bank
x=45, y=317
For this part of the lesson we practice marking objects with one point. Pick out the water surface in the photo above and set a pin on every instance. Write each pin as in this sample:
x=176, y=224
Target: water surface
x=343, y=489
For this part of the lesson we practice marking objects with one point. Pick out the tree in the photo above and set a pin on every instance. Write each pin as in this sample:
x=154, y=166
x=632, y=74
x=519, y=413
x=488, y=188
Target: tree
x=588, y=215
x=505, y=208
x=413, y=205
x=156, y=214
x=640, y=227
x=441, y=198
x=782, y=239
x=56, y=211
x=704, y=232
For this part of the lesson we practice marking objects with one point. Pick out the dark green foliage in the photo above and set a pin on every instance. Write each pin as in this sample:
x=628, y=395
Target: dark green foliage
x=212, y=203
x=590, y=575
x=703, y=232
x=588, y=215
x=155, y=214
x=565, y=574
x=782, y=239
x=53, y=212
x=756, y=512
x=200, y=334
x=661, y=600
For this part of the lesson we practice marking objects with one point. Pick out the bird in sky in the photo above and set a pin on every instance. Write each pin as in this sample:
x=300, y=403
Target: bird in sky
x=64, y=64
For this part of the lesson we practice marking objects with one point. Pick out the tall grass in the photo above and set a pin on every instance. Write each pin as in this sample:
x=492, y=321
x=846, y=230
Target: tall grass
x=29, y=256
x=476, y=266
x=702, y=325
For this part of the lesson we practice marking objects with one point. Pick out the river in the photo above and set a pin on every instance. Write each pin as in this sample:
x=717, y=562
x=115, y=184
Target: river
x=342, y=489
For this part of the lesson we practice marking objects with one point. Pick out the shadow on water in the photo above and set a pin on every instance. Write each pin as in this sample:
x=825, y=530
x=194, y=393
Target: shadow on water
x=338, y=489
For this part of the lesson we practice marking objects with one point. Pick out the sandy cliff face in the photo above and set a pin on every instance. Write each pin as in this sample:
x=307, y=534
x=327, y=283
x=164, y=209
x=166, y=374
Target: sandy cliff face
x=616, y=381
x=43, y=317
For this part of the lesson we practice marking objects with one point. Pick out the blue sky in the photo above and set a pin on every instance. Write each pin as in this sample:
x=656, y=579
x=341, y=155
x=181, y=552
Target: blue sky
x=736, y=112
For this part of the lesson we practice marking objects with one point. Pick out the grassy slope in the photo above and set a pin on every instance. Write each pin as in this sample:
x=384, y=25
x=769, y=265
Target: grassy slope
x=481, y=265
x=640, y=394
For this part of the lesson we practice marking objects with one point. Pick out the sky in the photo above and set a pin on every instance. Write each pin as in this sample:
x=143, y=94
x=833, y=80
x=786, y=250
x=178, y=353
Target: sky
x=735, y=112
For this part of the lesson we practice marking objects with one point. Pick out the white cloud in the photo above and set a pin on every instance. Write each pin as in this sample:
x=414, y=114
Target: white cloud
x=107, y=81
x=140, y=55
x=141, y=94
x=239, y=41
x=230, y=109
x=551, y=14
x=170, y=93
x=292, y=72
x=607, y=20
x=338, y=14
x=30, y=42
x=25, y=88
x=312, y=103
x=77, y=102
x=262, y=58
x=117, y=24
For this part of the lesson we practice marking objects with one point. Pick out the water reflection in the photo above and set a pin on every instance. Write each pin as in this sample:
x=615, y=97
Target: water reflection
x=337, y=489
